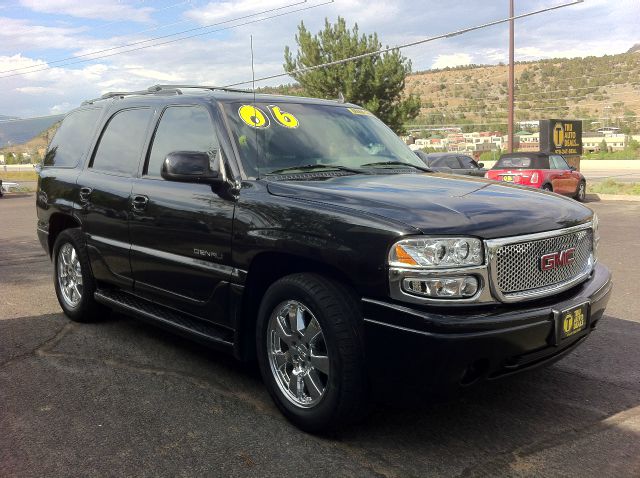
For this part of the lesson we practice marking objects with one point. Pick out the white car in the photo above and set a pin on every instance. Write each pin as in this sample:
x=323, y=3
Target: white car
x=6, y=187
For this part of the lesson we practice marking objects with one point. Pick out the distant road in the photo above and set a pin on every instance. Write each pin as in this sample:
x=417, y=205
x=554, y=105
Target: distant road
x=616, y=174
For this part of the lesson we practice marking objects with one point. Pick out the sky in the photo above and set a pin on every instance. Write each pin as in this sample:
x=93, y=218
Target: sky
x=49, y=49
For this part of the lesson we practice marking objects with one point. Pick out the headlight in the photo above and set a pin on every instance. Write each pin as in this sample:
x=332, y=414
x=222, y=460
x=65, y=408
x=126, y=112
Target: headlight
x=437, y=253
x=596, y=236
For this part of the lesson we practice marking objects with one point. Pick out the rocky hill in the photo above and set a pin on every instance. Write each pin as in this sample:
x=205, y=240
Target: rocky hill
x=605, y=89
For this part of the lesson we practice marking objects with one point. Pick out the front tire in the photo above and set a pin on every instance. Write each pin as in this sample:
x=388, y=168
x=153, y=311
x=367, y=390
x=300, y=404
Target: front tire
x=547, y=187
x=73, y=278
x=310, y=352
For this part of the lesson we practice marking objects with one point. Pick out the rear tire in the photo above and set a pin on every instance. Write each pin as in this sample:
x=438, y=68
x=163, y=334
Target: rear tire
x=581, y=193
x=73, y=278
x=547, y=187
x=310, y=352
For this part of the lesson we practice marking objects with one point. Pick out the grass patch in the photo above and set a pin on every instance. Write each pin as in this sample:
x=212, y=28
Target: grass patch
x=625, y=154
x=18, y=175
x=611, y=186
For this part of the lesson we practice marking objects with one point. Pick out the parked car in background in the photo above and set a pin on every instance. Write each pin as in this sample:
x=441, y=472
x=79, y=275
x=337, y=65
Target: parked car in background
x=6, y=187
x=546, y=171
x=452, y=163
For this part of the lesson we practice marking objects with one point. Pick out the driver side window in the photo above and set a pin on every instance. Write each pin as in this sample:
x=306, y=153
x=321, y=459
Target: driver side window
x=452, y=162
x=467, y=162
x=558, y=162
x=181, y=128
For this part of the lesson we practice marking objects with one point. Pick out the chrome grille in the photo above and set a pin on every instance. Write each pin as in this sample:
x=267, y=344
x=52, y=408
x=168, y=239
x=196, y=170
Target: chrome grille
x=517, y=265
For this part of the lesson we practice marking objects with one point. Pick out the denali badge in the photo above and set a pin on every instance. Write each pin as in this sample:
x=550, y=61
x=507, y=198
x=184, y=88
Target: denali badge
x=205, y=253
x=558, y=259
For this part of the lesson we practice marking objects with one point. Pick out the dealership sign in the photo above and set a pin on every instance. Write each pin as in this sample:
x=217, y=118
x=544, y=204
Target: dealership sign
x=561, y=136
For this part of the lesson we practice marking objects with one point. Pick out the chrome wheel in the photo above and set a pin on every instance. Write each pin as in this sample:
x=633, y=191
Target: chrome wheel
x=298, y=354
x=582, y=192
x=69, y=275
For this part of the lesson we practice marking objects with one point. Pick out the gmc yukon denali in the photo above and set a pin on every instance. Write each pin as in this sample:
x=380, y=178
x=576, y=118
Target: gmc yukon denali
x=303, y=234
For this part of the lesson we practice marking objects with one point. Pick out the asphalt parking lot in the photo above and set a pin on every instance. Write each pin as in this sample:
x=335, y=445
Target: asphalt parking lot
x=124, y=398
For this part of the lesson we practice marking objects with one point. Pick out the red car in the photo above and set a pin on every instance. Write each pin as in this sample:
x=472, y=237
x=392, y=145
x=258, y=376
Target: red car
x=549, y=172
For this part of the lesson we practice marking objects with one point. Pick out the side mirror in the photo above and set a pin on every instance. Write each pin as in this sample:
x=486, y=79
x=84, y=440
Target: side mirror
x=481, y=165
x=572, y=168
x=191, y=167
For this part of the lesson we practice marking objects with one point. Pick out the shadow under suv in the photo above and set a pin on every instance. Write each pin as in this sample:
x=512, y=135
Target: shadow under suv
x=304, y=234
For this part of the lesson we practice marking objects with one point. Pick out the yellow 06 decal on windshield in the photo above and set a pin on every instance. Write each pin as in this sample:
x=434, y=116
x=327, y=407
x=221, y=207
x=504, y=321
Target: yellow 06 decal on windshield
x=253, y=116
x=283, y=118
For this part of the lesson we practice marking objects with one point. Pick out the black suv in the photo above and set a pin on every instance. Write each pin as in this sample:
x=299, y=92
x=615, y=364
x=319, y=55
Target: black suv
x=303, y=233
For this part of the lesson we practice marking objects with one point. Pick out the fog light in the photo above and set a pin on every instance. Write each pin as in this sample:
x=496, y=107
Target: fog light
x=442, y=287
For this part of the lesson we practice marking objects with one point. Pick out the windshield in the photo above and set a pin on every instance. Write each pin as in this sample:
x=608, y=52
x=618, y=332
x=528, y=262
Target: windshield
x=519, y=162
x=290, y=135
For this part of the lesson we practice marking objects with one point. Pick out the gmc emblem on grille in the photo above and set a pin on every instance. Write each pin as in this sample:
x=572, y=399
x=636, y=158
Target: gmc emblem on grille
x=558, y=259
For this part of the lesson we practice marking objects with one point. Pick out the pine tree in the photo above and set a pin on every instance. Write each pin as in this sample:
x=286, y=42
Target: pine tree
x=375, y=82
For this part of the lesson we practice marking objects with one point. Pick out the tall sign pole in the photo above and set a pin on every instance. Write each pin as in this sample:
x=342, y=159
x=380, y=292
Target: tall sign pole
x=511, y=81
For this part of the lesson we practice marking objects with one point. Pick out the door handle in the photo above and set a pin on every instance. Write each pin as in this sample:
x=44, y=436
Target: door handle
x=85, y=194
x=139, y=202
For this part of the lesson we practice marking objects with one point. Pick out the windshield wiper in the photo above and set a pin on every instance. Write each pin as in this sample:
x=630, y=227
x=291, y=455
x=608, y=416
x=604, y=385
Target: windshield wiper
x=399, y=163
x=308, y=167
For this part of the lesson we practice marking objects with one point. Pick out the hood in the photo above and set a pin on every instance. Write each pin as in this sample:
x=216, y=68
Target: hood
x=443, y=204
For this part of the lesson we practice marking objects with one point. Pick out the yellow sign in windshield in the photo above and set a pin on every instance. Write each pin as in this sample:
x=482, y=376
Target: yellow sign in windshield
x=256, y=118
x=360, y=111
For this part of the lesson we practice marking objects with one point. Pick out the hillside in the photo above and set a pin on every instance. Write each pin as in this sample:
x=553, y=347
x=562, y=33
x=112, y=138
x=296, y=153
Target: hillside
x=605, y=89
x=17, y=132
x=34, y=146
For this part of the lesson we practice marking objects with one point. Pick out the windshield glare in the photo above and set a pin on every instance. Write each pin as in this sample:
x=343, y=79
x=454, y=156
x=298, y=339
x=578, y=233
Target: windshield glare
x=290, y=135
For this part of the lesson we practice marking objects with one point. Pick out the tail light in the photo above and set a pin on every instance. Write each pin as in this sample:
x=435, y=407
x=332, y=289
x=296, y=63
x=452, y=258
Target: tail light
x=486, y=175
x=534, y=178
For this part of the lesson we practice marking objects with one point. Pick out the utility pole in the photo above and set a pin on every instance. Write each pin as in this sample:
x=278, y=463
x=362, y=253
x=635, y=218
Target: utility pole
x=511, y=82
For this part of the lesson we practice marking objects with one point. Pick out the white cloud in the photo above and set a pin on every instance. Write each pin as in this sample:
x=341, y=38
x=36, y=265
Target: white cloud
x=36, y=90
x=151, y=74
x=94, y=9
x=61, y=108
x=451, y=60
x=17, y=35
x=216, y=11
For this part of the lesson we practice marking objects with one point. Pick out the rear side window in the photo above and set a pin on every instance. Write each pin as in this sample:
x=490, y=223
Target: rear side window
x=71, y=141
x=121, y=142
x=513, y=162
x=181, y=128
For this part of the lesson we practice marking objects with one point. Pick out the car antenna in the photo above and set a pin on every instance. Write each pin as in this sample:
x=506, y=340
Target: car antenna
x=253, y=88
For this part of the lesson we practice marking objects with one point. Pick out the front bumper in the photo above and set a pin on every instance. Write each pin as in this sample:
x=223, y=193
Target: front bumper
x=462, y=345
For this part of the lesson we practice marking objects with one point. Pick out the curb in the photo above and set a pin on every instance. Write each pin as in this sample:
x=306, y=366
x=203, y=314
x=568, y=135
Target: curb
x=593, y=197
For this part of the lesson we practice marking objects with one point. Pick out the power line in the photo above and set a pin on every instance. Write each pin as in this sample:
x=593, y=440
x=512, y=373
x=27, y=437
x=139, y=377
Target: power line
x=143, y=41
x=406, y=45
x=166, y=7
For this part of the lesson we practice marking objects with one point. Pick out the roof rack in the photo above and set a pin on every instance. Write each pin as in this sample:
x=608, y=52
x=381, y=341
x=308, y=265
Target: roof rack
x=159, y=90
x=201, y=87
